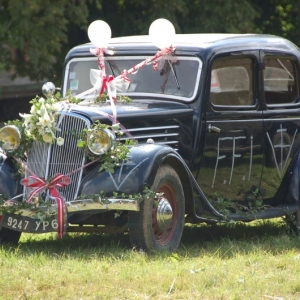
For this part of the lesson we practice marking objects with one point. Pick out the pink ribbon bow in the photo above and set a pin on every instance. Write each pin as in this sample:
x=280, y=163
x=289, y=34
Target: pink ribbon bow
x=40, y=184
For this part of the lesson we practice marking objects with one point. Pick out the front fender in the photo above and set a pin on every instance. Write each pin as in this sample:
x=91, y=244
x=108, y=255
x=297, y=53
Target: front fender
x=132, y=176
x=9, y=183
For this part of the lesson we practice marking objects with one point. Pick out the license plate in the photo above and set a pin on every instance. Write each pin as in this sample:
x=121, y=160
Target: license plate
x=25, y=224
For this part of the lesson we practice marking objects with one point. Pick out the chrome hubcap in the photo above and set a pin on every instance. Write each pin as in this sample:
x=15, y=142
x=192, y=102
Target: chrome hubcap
x=164, y=214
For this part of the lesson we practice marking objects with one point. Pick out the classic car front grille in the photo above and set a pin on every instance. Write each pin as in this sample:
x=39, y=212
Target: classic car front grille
x=165, y=135
x=46, y=160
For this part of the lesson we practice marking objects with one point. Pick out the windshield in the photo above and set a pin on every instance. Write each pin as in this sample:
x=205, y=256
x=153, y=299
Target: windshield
x=174, y=78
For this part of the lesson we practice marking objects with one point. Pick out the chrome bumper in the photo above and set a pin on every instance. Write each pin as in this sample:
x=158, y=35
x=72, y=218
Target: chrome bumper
x=107, y=204
x=77, y=206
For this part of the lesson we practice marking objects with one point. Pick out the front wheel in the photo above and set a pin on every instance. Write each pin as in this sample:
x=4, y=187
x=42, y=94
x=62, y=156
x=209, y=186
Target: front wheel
x=8, y=236
x=159, y=223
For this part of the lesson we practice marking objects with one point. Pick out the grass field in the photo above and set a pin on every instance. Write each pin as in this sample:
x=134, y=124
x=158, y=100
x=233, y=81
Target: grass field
x=241, y=261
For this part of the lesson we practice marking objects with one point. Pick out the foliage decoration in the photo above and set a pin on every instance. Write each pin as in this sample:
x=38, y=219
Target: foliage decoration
x=40, y=125
x=103, y=98
x=252, y=204
x=118, y=151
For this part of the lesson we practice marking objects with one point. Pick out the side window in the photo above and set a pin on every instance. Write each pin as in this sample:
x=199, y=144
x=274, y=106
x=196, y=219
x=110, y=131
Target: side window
x=280, y=81
x=232, y=82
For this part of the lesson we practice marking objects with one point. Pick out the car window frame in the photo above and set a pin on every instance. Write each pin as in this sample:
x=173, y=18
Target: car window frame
x=142, y=94
x=289, y=56
x=232, y=55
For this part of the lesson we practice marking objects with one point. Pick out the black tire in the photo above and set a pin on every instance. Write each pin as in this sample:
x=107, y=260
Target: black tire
x=8, y=236
x=159, y=223
x=293, y=222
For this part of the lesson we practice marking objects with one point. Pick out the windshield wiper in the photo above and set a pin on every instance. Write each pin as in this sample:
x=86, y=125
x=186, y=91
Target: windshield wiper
x=175, y=75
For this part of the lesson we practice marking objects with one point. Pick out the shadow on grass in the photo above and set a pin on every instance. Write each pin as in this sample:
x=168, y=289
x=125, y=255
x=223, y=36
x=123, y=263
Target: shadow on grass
x=224, y=240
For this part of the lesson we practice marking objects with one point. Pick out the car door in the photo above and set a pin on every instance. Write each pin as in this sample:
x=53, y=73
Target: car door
x=232, y=161
x=280, y=81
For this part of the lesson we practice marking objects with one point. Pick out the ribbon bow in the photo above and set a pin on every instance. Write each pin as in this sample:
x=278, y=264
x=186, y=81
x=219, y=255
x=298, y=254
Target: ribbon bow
x=105, y=82
x=162, y=56
x=40, y=184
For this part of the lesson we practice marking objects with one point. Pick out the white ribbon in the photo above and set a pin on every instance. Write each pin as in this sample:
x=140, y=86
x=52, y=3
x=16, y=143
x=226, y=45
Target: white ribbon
x=96, y=79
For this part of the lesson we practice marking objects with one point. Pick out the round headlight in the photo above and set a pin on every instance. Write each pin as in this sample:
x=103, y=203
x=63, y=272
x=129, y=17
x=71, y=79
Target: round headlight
x=10, y=136
x=99, y=141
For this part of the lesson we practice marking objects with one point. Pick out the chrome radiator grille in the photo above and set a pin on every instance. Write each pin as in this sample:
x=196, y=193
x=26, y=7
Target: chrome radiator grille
x=46, y=160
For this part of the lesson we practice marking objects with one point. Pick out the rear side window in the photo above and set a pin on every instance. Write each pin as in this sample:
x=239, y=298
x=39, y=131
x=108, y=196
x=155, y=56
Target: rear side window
x=232, y=82
x=280, y=81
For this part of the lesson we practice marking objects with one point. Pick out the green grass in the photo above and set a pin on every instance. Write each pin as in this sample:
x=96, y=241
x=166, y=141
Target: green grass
x=242, y=261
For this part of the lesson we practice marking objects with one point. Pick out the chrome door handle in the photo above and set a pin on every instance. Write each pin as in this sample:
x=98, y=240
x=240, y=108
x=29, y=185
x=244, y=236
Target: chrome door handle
x=213, y=129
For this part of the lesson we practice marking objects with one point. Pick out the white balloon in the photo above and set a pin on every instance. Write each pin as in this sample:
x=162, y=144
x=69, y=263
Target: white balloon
x=162, y=33
x=99, y=33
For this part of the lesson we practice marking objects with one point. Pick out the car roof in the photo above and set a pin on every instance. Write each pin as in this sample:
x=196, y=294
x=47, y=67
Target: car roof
x=181, y=39
x=205, y=42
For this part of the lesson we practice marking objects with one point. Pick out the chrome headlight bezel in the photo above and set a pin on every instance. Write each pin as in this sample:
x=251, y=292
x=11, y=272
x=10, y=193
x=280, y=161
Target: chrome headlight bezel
x=10, y=135
x=100, y=141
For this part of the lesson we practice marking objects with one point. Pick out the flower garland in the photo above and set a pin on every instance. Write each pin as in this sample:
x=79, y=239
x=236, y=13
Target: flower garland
x=42, y=122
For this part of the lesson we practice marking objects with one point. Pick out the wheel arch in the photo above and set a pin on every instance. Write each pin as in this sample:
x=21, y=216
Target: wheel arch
x=9, y=181
x=184, y=176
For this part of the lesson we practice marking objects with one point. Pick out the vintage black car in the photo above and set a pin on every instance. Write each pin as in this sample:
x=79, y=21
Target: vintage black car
x=216, y=124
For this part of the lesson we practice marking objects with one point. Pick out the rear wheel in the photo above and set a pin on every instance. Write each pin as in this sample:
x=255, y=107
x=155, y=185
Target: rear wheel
x=293, y=222
x=159, y=223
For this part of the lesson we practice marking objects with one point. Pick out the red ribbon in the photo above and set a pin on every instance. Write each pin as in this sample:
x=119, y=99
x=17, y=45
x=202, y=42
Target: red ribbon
x=40, y=184
x=106, y=80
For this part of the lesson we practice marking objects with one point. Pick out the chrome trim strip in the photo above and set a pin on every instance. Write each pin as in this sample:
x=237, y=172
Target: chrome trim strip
x=167, y=143
x=153, y=128
x=155, y=135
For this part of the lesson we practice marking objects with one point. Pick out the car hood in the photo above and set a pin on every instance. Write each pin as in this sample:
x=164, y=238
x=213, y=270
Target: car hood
x=140, y=109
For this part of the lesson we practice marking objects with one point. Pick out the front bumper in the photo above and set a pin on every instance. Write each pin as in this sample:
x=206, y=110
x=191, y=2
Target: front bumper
x=43, y=218
x=75, y=206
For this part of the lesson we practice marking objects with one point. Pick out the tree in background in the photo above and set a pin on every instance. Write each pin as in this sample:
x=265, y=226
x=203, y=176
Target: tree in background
x=36, y=35
x=279, y=17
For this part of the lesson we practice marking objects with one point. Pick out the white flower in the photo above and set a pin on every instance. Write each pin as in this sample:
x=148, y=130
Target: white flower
x=47, y=129
x=44, y=120
x=41, y=130
x=27, y=118
x=43, y=110
x=42, y=100
x=60, y=141
x=49, y=106
x=33, y=109
x=56, y=106
x=116, y=126
x=48, y=138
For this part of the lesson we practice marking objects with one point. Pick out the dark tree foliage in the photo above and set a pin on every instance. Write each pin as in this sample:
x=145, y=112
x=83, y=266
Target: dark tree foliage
x=279, y=17
x=35, y=35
